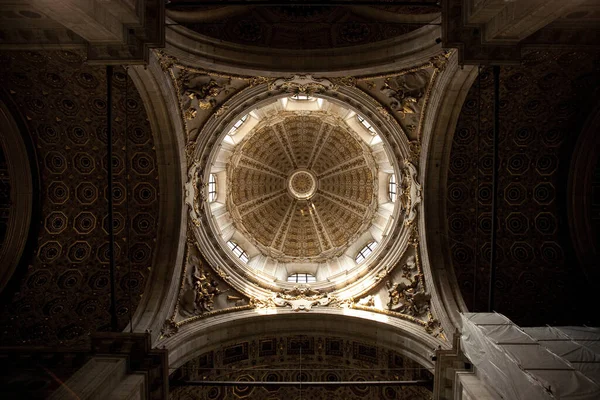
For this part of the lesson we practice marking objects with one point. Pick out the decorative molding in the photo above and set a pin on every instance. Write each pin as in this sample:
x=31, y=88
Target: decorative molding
x=302, y=84
x=412, y=193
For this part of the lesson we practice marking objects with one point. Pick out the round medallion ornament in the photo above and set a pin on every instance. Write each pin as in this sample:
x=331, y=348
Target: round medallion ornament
x=302, y=184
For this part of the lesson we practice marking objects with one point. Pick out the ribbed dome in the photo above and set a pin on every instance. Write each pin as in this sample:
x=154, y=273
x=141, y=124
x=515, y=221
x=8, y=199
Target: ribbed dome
x=302, y=186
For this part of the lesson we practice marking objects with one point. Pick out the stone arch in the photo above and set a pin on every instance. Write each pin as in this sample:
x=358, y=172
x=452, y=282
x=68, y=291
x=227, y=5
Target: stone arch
x=21, y=188
x=401, y=336
x=584, y=233
x=440, y=123
x=160, y=101
x=394, y=54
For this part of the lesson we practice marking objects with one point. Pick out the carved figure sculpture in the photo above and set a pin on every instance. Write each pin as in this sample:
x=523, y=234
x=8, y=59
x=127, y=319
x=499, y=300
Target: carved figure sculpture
x=406, y=295
x=205, y=291
x=404, y=99
x=194, y=192
x=411, y=193
x=205, y=94
x=368, y=301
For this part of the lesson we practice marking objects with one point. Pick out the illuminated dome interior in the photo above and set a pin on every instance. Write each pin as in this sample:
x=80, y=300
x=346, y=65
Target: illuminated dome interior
x=298, y=189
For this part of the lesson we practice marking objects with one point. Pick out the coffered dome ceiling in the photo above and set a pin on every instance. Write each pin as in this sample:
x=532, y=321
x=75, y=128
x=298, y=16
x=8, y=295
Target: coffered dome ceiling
x=302, y=187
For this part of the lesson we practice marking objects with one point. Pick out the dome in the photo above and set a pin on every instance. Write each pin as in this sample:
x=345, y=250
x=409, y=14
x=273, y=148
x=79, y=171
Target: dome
x=302, y=187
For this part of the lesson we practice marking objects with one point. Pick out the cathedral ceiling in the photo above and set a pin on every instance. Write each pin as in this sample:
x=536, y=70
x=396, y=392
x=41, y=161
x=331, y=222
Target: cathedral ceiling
x=303, y=187
x=543, y=104
x=301, y=27
x=64, y=293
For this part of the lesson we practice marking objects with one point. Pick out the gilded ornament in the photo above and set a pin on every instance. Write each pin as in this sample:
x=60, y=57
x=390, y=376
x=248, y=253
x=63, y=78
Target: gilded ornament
x=414, y=148
x=221, y=110
x=385, y=113
x=368, y=301
x=204, y=93
x=255, y=302
x=414, y=238
x=427, y=96
x=381, y=275
x=348, y=81
x=439, y=61
x=434, y=327
x=169, y=328
x=190, y=113
x=411, y=193
x=259, y=80
x=222, y=274
x=404, y=98
x=165, y=60
x=194, y=191
x=345, y=303
x=206, y=289
x=407, y=294
x=305, y=84
x=301, y=299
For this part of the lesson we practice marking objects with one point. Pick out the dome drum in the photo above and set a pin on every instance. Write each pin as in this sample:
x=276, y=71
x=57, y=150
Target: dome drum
x=302, y=191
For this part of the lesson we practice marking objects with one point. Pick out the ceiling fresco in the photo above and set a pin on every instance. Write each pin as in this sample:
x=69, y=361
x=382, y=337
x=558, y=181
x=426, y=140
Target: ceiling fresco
x=64, y=293
x=543, y=104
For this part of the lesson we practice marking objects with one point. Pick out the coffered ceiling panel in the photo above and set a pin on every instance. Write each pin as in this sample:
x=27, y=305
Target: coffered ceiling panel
x=302, y=185
x=64, y=294
x=543, y=104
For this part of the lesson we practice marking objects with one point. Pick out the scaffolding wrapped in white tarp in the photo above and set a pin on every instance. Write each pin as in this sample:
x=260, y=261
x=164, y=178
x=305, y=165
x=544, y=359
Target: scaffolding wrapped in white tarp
x=517, y=366
x=580, y=346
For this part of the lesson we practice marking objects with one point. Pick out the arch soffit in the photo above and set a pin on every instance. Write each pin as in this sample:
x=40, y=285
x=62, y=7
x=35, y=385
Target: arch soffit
x=444, y=109
x=159, y=97
x=21, y=184
x=580, y=203
x=391, y=55
x=205, y=335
